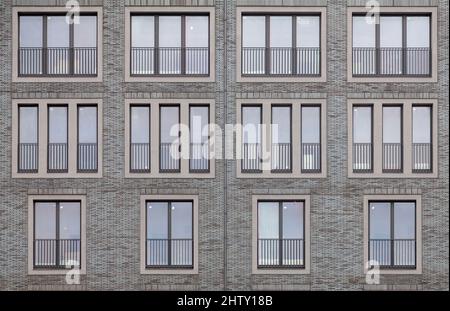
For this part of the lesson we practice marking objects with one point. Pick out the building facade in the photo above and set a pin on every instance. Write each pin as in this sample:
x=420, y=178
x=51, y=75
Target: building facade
x=356, y=179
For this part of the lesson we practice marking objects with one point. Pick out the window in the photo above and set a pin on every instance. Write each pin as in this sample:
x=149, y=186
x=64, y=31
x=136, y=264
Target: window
x=401, y=146
x=165, y=44
x=392, y=234
x=51, y=47
x=57, y=138
x=169, y=138
x=281, y=139
x=280, y=45
x=399, y=45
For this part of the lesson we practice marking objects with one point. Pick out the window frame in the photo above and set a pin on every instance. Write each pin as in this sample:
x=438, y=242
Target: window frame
x=96, y=137
x=46, y=10
x=279, y=10
x=19, y=106
x=418, y=232
x=191, y=170
x=177, y=11
x=66, y=106
x=170, y=171
x=143, y=234
x=32, y=199
x=307, y=171
x=431, y=11
x=130, y=107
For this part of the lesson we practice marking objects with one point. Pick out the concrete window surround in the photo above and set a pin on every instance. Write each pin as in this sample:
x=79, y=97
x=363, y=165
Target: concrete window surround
x=280, y=197
x=389, y=197
x=173, y=10
x=58, y=197
x=434, y=52
x=42, y=9
x=195, y=204
x=154, y=137
x=296, y=126
x=72, y=105
x=377, y=137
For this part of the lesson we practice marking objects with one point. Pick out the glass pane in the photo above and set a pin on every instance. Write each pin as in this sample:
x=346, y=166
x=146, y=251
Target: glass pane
x=197, y=31
x=69, y=216
x=170, y=31
x=421, y=124
x=268, y=215
x=380, y=220
x=281, y=125
x=308, y=31
x=57, y=122
x=57, y=31
x=253, y=31
x=142, y=31
x=363, y=32
x=30, y=31
x=418, y=31
x=45, y=220
x=85, y=33
x=392, y=124
x=157, y=220
x=293, y=220
x=404, y=220
x=140, y=124
x=87, y=124
x=199, y=124
x=280, y=31
x=362, y=124
x=251, y=119
x=390, y=31
x=169, y=124
x=181, y=220
x=310, y=125
x=28, y=125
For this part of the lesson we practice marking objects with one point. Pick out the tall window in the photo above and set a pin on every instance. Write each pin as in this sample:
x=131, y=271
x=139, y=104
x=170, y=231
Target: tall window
x=169, y=234
x=286, y=45
x=281, y=234
x=392, y=138
x=57, y=150
x=49, y=46
x=28, y=150
x=421, y=137
x=57, y=230
x=392, y=234
x=281, y=138
x=362, y=139
x=399, y=45
x=167, y=45
x=310, y=138
x=251, y=140
x=87, y=138
x=199, y=138
x=169, y=136
x=140, y=138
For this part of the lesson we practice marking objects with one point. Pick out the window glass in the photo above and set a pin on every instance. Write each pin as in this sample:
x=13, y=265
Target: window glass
x=197, y=31
x=87, y=124
x=170, y=31
x=57, y=31
x=30, y=31
x=418, y=31
x=390, y=31
x=85, y=33
x=404, y=217
x=308, y=31
x=181, y=225
x=362, y=124
x=268, y=220
x=157, y=220
x=251, y=119
x=280, y=31
x=169, y=124
x=57, y=122
x=45, y=220
x=421, y=124
x=140, y=124
x=253, y=31
x=281, y=125
x=392, y=124
x=310, y=125
x=292, y=220
x=380, y=220
x=142, y=31
x=28, y=125
x=199, y=124
x=363, y=32
x=69, y=215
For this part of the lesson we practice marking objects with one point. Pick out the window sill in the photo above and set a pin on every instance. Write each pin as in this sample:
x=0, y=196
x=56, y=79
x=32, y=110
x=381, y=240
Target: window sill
x=169, y=271
x=281, y=79
x=65, y=79
x=281, y=271
x=366, y=79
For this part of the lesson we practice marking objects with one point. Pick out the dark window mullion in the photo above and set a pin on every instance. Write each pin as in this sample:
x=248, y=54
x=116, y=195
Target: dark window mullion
x=392, y=234
x=404, y=45
x=377, y=47
x=267, y=52
x=156, y=46
x=280, y=233
x=169, y=233
x=183, y=45
x=57, y=213
x=294, y=46
x=44, y=45
x=71, y=47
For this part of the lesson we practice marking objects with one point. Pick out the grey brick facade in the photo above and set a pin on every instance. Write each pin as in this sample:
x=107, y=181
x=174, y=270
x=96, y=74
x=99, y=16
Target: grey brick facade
x=225, y=212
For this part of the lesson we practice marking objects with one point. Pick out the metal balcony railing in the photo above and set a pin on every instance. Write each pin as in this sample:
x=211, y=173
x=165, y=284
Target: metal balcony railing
x=391, y=61
x=87, y=157
x=274, y=253
x=57, y=254
x=199, y=157
x=177, y=253
x=392, y=157
x=170, y=61
x=28, y=157
x=393, y=253
x=421, y=157
x=57, y=157
x=64, y=61
x=169, y=157
x=362, y=157
x=140, y=157
x=281, y=61
x=311, y=157
x=281, y=157
x=251, y=157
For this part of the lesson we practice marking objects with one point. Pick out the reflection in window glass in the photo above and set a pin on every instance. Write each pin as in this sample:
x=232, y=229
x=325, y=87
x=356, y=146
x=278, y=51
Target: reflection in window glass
x=308, y=31
x=362, y=124
x=57, y=124
x=253, y=31
x=392, y=124
x=140, y=124
x=87, y=124
x=142, y=31
x=28, y=131
x=30, y=31
x=421, y=124
x=363, y=32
